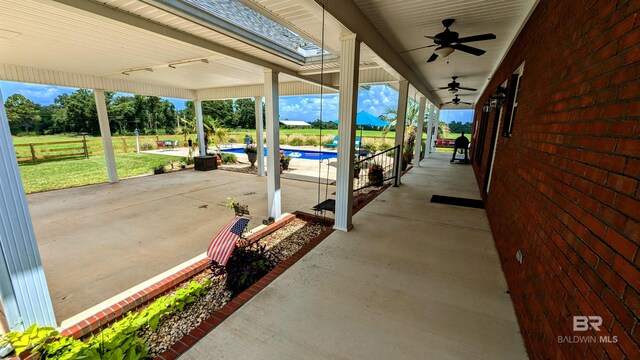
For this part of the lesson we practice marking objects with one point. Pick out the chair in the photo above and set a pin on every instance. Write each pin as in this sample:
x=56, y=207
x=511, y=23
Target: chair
x=333, y=144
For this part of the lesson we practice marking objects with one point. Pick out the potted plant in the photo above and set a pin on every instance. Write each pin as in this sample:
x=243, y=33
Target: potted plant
x=252, y=153
x=376, y=175
x=284, y=160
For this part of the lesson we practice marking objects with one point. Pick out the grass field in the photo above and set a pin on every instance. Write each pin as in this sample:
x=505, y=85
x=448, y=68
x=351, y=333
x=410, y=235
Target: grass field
x=235, y=133
x=72, y=172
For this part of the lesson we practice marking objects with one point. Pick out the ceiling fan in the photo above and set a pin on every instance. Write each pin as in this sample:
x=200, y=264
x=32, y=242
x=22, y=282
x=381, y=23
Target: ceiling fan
x=449, y=41
x=456, y=101
x=454, y=86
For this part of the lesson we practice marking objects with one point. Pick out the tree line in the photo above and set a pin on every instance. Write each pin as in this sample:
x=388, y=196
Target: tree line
x=152, y=115
x=76, y=113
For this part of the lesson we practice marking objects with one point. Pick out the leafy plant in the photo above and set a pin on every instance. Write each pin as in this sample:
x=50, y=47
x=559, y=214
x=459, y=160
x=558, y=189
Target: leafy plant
x=32, y=339
x=229, y=158
x=246, y=266
x=117, y=342
x=160, y=169
x=251, y=149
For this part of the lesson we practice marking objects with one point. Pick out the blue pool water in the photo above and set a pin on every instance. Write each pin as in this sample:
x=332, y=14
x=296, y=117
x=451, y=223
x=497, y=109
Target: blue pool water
x=297, y=153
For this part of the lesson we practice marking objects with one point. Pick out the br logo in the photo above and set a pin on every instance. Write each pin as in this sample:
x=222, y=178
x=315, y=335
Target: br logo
x=584, y=323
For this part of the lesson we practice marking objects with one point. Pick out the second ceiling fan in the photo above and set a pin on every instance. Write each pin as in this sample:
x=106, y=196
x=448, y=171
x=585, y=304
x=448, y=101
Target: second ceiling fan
x=454, y=86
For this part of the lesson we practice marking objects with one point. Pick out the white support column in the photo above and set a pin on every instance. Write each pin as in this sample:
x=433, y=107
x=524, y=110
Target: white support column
x=273, y=143
x=201, y=144
x=420, y=126
x=259, y=135
x=23, y=286
x=430, y=131
x=105, y=132
x=436, y=122
x=348, y=101
x=403, y=95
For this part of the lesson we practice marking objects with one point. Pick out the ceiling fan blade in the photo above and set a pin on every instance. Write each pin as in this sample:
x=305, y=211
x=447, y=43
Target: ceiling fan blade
x=431, y=37
x=462, y=102
x=442, y=88
x=418, y=48
x=469, y=49
x=433, y=57
x=466, y=88
x=476, y=38
x=450, y=102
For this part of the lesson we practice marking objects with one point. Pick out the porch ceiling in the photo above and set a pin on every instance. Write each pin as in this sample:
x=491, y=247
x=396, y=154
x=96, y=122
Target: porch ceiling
x=404, y=23
x=102, y=39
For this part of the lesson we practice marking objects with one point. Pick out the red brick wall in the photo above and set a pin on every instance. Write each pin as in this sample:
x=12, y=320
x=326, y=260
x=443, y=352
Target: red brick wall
x=564, y=189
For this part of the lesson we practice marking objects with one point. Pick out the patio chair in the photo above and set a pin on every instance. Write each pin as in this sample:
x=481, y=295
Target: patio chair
x=333, y=144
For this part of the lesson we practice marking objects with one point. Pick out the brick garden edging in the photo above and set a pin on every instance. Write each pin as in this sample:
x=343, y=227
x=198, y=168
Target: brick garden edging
x=195, y=335
x=94, y=323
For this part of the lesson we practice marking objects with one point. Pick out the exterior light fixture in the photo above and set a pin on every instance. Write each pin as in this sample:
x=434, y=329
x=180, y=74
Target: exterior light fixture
x=487, y=106
x=498, y=98
x=180, y=63
x=444, y=51
x=128, y=72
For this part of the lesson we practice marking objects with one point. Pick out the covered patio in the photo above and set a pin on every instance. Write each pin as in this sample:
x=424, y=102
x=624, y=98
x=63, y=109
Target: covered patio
x=555, y=153
x=382, y=291
x=112, y=237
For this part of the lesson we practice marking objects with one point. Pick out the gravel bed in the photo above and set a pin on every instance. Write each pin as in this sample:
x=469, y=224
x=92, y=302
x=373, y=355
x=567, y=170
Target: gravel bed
x=281, y=244
x=174, y=326
x=287, y=240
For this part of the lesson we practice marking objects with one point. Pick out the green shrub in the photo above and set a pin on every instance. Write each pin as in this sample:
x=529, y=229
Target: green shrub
x=160, y=169
x=246, y=266
x=296, y=140
x=311, y=140
x=229, y=158
x=284, y=139
x=146, y=146
x=231, y=139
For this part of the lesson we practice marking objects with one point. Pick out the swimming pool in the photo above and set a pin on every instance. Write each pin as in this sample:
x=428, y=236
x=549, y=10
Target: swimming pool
x=295, y=153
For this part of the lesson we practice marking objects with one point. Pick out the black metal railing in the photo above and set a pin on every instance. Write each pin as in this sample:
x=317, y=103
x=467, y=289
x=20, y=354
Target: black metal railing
x=376, y=169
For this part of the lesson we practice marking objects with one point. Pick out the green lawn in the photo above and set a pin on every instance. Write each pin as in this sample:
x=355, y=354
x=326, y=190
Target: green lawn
x=72, y=172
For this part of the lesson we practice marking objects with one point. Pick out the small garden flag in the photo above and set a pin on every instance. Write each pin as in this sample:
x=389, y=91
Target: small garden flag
x=222, y=245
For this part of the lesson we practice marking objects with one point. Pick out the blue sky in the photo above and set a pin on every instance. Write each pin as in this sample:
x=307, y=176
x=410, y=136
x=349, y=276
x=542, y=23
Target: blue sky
x=374, y=100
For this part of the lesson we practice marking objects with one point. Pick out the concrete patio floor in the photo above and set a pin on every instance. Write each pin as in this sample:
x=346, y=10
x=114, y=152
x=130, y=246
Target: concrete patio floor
x=97, y=241
x=413, y=280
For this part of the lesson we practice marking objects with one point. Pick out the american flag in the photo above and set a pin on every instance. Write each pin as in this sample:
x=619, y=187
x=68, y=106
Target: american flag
x=222, y=245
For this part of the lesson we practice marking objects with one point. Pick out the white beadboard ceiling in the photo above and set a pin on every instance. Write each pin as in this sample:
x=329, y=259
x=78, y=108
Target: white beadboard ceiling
x=404, y=23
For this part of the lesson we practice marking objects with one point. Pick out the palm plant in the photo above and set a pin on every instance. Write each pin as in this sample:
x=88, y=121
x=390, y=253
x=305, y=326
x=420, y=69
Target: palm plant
x=391, y=115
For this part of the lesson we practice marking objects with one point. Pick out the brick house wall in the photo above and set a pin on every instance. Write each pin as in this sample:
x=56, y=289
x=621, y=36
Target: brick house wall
x=564, y=189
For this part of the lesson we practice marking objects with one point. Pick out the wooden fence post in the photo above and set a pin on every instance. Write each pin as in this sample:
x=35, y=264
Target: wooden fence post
x=124, y=144
x=33, y=152
x=84, y=147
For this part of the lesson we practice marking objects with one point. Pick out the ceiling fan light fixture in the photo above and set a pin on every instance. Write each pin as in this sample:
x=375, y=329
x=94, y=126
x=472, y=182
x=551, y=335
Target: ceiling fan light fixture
x=453, y=91
x=444, y=51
